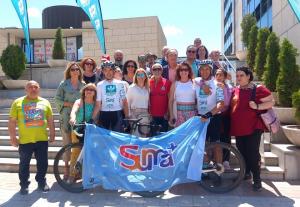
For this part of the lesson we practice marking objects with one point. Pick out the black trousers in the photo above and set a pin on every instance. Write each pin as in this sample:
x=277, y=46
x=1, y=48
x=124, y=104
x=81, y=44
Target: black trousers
x=40, y=150
x=160, y=121
x=249, y=148
x=225, y=135
x=111, y=120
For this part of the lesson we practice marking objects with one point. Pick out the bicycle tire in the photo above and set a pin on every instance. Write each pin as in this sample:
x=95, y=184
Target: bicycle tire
x=78, y=188
x=149, y=194
x=206, y=183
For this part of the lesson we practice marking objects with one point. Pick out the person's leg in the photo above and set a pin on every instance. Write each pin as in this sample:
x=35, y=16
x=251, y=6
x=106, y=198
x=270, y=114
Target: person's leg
x=214, y=135
x=25, y=152
x=66, y=157
x=116, y=123
x=105, y=119
x=41, y=156
x=225, y=136
x=74, y=155
x=241, y=144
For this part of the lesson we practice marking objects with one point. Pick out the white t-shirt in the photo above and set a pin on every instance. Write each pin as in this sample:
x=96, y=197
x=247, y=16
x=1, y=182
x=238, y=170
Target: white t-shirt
x=185, y=92
x=205, y=103
x=111, y=94
x=137, y=97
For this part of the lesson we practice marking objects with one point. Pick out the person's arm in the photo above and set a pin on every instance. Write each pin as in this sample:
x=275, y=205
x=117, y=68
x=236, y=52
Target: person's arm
x=97, y=108
x=74, y=111
x=125, y=108
x=171, y=101
x=267, y=103
x=12, y=124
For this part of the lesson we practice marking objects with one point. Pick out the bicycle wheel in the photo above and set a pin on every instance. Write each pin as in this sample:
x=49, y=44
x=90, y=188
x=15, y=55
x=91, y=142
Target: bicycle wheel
x=217, y=179
x=149, y=194
x=70, y=153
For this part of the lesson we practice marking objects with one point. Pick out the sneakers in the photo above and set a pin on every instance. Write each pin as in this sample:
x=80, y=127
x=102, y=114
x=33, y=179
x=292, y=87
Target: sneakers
x=248, y=176
x=257, y=186
x=226, y=165
x=44, y=187
x=24, y=190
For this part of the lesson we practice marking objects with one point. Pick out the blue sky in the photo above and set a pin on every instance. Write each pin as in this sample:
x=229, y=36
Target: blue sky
x=182, y=20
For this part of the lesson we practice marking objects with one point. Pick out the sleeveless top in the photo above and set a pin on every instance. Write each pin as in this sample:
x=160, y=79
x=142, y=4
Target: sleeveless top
x=185, y=92
x=89, y=108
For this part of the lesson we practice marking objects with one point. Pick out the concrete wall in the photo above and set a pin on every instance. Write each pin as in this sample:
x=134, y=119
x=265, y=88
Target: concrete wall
x=237, y=30
x=285, y=23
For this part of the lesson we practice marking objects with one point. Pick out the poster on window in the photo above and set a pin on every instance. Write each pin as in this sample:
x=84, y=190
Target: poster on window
x=71, y=49
x=39, y=51
x=49, y=44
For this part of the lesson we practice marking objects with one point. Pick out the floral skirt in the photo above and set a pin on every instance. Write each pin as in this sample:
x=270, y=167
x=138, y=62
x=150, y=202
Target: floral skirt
x=184, y=113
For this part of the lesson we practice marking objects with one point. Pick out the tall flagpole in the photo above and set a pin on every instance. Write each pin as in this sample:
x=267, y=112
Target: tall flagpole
x=29, y=43
x=104, y=49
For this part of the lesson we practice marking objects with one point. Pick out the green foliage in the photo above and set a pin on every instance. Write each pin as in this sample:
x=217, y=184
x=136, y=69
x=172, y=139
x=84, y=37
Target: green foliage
x=252, y=46
x=13, y=61
x=288, y=80
x=261, y=52
x=296, y=104
x=58, y=50
x=272, y=66
x=246, y=25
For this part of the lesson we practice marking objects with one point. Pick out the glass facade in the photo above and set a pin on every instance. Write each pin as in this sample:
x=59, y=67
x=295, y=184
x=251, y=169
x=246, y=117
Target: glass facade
x=228, y=26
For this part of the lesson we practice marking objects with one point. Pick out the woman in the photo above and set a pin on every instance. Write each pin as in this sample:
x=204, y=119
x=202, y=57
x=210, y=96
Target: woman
x=202, y=53
x=246, y=124
x=129, y=69
x=182, y=93
x=89, y=70
x=169, y=71
x=82, y=111
x=67, y=93
x=119, y=76
x=138, y=96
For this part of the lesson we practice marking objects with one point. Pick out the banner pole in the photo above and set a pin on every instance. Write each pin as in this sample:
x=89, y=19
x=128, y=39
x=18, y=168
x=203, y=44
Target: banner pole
x=104, y=49
x=29, y=46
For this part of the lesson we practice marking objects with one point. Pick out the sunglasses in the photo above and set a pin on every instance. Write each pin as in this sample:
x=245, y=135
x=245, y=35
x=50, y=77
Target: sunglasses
x=140, y=75
x=184, y=69
x=130, y=66
x=74, y=69
x=90, y=64
x=191, y=51
x=156, y=69
x=89, y=89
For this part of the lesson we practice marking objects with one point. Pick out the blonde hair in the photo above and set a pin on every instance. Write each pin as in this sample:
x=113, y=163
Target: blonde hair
x=67, y=74
x=89, y=85
x=146, y=82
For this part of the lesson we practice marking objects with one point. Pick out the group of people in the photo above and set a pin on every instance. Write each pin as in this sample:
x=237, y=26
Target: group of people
x=165, y=93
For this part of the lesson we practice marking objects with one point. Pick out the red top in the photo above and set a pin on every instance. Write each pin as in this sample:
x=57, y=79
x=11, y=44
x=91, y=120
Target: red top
x=245, y=120
x=159, y=96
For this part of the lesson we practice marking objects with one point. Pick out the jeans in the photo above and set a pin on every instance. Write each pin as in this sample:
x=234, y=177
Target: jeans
x=40, y=150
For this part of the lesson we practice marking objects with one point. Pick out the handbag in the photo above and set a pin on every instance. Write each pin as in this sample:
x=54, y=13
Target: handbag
x=269, y=118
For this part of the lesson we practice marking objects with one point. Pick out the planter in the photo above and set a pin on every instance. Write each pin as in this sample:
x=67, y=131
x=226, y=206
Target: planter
x=285, y=115
x=14, y=84
x=241, y=55
x=293, y=133
x=57, y=63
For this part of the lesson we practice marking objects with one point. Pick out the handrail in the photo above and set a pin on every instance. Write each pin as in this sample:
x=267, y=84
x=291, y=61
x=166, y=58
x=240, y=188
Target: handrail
x=227, y=61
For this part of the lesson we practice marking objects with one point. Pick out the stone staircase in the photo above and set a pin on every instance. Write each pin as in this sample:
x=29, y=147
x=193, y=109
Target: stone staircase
x=9, y=157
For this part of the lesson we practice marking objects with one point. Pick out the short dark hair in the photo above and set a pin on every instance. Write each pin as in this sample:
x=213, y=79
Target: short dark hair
x=247, y=71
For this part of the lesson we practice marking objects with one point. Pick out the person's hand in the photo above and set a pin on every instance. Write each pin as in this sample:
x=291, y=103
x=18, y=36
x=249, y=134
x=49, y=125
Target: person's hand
x=14, y=142
x=221, y=85
x=206, y=90
x=72, y=121
x=252, y=105
x=52, y=139
x=203, y=119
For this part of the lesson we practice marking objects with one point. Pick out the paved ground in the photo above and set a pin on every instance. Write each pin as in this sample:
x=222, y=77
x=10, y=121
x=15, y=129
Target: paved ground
x=275, y=194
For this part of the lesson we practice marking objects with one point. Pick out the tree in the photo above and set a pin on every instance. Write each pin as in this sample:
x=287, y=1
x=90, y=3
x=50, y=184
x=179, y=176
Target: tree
x=272, y=65
x=261, y=52
x=58, y=50
x=288, y=80
x=252, y=46
x=296, y=104
x=13, y=61
x=246, y=25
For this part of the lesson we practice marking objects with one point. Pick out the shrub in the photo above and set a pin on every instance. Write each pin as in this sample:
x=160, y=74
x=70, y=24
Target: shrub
x=13, y=61
x=58, y=50
x=252, y=46
x=246, y=25
x=296, y=104
x=261, y=53
x=272, y=65
x=288, y=80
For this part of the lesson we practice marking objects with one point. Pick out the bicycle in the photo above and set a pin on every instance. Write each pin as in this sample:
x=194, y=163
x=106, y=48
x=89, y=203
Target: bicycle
x=215, y=178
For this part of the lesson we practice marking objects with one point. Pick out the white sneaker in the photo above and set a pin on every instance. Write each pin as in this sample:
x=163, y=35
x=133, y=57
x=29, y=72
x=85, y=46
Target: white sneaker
x=226, y=165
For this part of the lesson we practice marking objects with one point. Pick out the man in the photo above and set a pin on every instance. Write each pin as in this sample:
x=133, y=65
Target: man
x=32, y=114
x=191, y=59
x=118, y=57
x=142, y=61
x=164, y=52
x=111, y=100
x=159, y=96
x=151, y=58
x=215, y=56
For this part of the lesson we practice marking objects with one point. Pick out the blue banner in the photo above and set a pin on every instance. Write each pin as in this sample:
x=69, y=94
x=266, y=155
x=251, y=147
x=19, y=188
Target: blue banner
x=126, y=162
x=295, y=4
x=21, y=9
x=93, y=9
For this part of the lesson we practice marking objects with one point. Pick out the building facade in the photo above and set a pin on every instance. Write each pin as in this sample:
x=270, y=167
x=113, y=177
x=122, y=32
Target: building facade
x=277, y=15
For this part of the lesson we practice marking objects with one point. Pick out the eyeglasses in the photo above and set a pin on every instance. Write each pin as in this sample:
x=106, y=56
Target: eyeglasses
x=90, y=64
x=130, y=66
x=74, y=69
x=191, y=51
x=140, y=75
x=156, y=69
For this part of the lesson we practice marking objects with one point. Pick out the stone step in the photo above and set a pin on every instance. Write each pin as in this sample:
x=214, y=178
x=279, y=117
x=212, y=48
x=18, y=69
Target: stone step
x=4, y=131
x=12, y=165
x=5, y=141
x=271, y=159
x=5, y=110
x=12, y=152
x=5, y=116
x=272, y=173
x=4, y=123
